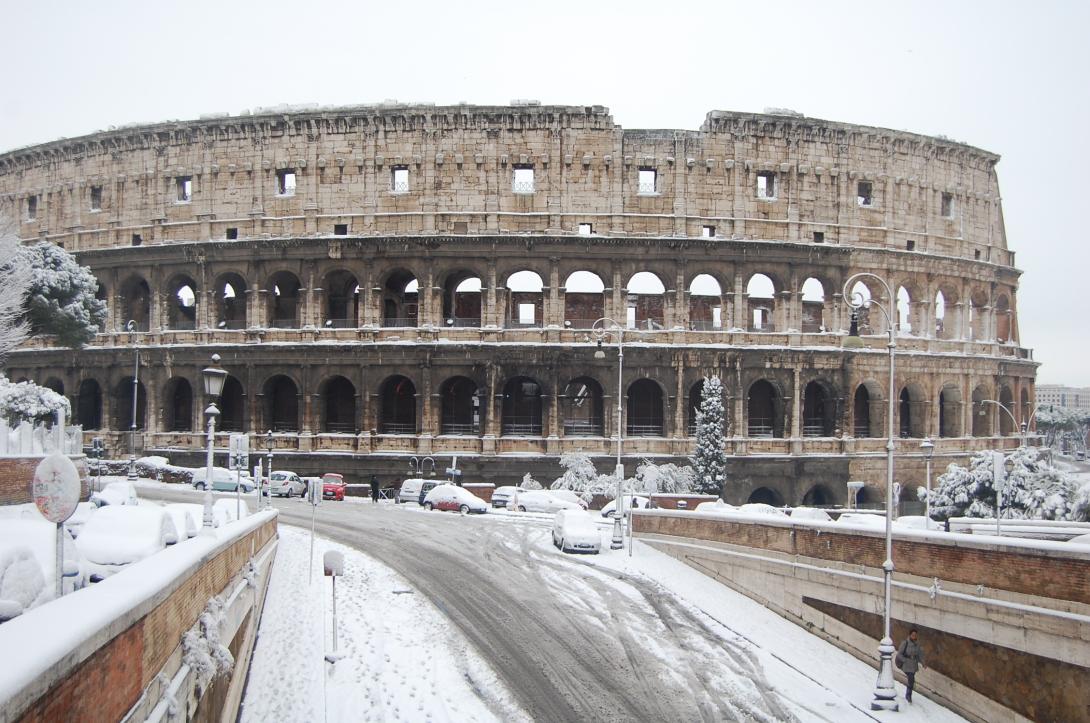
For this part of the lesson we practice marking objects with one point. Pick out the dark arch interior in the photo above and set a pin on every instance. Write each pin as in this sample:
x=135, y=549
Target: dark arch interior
x=861, y=426
x=178, y=414
x=230, y=301
x=398, y=406
x=461, y=406
x=284, y=304
x=522, y=407
x=765, y=411
x=342, y=300
x=818, y=410
x=766, y=495
x=232, y=406
x=338, y=406
x=89, y=405
x=644, y=416
x=583, y=408
x=818, y=496
x=282, y=404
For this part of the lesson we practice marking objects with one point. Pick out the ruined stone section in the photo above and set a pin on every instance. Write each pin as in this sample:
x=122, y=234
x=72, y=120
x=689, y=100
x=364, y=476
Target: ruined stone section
x=393, y=281
x=1005, y=626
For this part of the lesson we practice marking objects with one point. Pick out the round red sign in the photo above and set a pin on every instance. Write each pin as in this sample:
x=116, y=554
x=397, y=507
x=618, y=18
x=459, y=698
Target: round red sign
x=55, y=488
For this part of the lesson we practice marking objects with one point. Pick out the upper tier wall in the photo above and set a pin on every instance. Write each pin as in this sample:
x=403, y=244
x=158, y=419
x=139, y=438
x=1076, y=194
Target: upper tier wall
x=101, y=190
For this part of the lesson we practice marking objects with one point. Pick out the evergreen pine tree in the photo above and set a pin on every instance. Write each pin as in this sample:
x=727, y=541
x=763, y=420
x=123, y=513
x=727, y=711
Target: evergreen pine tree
x=709, y=460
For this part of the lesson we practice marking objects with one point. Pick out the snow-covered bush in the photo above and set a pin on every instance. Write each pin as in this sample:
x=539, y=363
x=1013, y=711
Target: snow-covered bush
x=666, y=478
x=1032, y=490
x=61, y=297
x=529, y=483
x=26, y=401
x=1063, y=427
x=1080, y=504
x=16, y=275
x=579, y=475
x=709, y=459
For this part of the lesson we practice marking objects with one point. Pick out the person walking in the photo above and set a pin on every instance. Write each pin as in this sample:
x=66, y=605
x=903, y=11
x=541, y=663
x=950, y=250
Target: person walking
x=374, y=489
x=910, y=660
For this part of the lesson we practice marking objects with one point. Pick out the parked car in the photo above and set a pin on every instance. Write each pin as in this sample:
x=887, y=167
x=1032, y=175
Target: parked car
x=760, y=508
x=542, y=501
x=501, y=495
x=569, y=496
x=286, y=484
x=626, y=501
x=231, y=509
x=574, y=530
x=118, y=535
x=116, y=493
x=918, y=522
x=1080, y=455
x=410, y=490
x=810, y=513
x=427, y=487
x=223, y=480
x=184, y=522
x=862, y=519
x=333, y=486
x=454, y=498
x=718, y=505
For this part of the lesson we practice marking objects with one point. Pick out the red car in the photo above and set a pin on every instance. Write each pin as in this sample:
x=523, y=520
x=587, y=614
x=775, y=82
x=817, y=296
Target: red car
x=333, y=486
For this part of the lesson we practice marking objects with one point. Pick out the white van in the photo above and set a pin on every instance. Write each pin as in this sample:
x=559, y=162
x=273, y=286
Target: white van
x=410, y=490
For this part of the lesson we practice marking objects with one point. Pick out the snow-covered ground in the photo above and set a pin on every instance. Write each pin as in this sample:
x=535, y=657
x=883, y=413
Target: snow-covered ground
x=401, y=661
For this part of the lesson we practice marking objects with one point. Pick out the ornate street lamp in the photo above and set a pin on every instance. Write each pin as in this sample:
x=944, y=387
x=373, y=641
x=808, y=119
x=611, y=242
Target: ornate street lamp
x=929, y=449
x=885, y=697
x=214, y=377
x=601, y=332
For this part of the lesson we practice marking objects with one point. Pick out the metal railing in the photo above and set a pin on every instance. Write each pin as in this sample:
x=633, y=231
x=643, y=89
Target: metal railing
x=463, y=322
x=283, y=323
x=646, y=188
x=814, y=430
x=459, y=428
x=399, y=321
x=579, y=323
x=522, y=426
x=768, y=328
x=522, y=186
x=580, y=428
x=340, y=427
x=516, y=324
x=285, y=427
x=705, y=325
x=644, y=427
x=183, y=325
x=340, y=323
x=399, y=187
x=760, y=428
x=231, y=324
x=397, y=428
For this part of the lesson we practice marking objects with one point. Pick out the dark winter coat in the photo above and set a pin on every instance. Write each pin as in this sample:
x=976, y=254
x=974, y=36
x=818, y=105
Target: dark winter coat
x=912, y=654
x=374, y=487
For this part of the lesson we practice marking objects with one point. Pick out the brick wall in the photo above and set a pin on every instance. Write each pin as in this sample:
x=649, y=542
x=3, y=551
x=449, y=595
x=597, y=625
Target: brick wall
x=16, y=474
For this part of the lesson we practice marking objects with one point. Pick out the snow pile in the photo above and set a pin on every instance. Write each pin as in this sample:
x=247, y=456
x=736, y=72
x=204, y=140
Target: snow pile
x=22, y=531
x=125, y=534
x=22, y=584
x=116, y=493
x=718, y=506
x=25, y=401
x=810, y=513
x=202, y=649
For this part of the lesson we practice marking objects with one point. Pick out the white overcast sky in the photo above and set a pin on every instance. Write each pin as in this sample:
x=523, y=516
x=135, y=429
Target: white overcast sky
x=1009, y=77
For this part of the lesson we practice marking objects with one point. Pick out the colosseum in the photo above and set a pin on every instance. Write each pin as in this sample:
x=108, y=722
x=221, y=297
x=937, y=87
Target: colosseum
x=392, y=281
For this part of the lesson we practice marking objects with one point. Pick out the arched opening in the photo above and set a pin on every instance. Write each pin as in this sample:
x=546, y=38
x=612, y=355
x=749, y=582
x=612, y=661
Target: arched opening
x=178, y=414
x=282, y=404
x=525, y=299
x=54, y=384
x=232, y=406
x=101, y=295
x=818, y=496
x=904, y=311
x=462, y=300
x=940, y=315
x=284, y=297
x=705, y=303
x=583, y=413
x=861, y=294
x=950, y=411
x=1003, y=320
x=695, y=392
x=135, y=302
x=813, y=307
x=982, y=422
x=761, y=295
x=1023, y=417
x=522, y=407
x=1006, y=423
x=397, y=412
x=123, y=405
x=765, y=496
x=904, y=413
x=583, y=300
x=818, y=411
x=89, y=405
x=182, y=303
x=644, y=409
x=864, y=424
x=230, y=302
x=645, y=305
x=342, y=300
x=461, y=406
x=400, y=300
x=338, y=406
x=764, y=410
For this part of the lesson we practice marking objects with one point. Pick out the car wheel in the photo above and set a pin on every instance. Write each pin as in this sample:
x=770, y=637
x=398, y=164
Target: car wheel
x=464, y=509
x=200, y=486
x=428, y=506
x=522, y=508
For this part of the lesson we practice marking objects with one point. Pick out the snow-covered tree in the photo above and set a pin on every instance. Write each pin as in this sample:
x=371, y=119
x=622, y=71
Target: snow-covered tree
x=1063, y=427
x=579, y=475
x=27, y=401
x=709, y=460
x=13, y=290
x=61, y=297
x=529, y=483
x=1080, y=504
x=666, y=478
x=1032, y=490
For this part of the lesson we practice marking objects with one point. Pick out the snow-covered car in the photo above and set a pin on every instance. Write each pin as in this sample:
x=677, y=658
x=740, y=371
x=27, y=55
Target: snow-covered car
x=541, y=501
x=810, y=513
x=501, y=495
x=719, y=505
x=627, y=501
x=231, y=509
x=410, y=490
x=117, y=536
x=917, y=522
x=760, y=508
x=575, y=531
x=196, y=512
x=286, y=484
x=569, y=496
x=184, y=522
x=223, y=480
x=28, y=563
x=116, y=493
x=862, y=519
x=333, y=486
x=454, y=498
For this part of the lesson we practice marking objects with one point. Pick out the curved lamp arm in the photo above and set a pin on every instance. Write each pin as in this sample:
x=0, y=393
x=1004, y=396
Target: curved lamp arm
x=857, y=301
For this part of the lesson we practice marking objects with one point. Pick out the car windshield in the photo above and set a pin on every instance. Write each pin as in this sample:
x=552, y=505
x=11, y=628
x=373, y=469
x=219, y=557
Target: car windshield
x=278, y=476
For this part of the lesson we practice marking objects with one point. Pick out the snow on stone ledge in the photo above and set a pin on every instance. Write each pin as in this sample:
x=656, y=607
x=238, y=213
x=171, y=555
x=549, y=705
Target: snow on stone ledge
x=63, y=633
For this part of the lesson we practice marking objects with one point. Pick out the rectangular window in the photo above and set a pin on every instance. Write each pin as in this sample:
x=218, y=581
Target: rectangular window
x=31, y=208
x=630, y=319
x=717, y=317
x=285, y=182
x=707, y=232
x=137, y=239
x=461, y=227
x=232, y=233
x=526, y=314
x=340, y=229
x=766, y=185
x=819, y=237
x=911, y=245
x=586, y=229
x=864, y=194
x=523, y=180
x=947, y=205
x=399, y=179
x=184, y=186
x=96, y=198
x=649, y=178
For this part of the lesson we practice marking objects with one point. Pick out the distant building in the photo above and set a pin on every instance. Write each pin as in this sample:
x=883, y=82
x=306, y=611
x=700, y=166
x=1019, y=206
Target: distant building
x=1065, y=397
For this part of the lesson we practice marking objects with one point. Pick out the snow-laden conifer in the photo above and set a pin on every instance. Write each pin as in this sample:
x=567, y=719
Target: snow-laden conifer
x=709, y=460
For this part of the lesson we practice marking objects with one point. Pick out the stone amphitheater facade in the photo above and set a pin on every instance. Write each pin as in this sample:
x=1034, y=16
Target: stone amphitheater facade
x=384, y=282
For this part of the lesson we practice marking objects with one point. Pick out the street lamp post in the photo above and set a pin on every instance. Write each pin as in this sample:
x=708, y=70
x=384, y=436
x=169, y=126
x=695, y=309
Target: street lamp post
x=131, y=328
x=929, y=449
x=268, y=474
x=214, y=377
x=601, y=332
x=885, y=696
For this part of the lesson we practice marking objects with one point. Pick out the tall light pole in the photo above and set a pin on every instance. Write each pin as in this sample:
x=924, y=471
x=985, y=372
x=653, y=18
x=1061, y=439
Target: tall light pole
x=885, y=696
x=214, y=377
x=268, y=474
x=601, y=332
x=929, y=449
x=131, y=328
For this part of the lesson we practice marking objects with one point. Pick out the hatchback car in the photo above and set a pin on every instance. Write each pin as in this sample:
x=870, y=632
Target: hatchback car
x=410, y=490
x=627, y=501
x=223, y=480
x=333, y=486
x=501, y=495
x=286, y=484
x=541, y=501
x=575, y=531
x=454, y=498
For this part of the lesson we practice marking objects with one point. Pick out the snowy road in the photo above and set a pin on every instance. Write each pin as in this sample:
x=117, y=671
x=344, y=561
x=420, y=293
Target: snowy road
x=583, y=638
